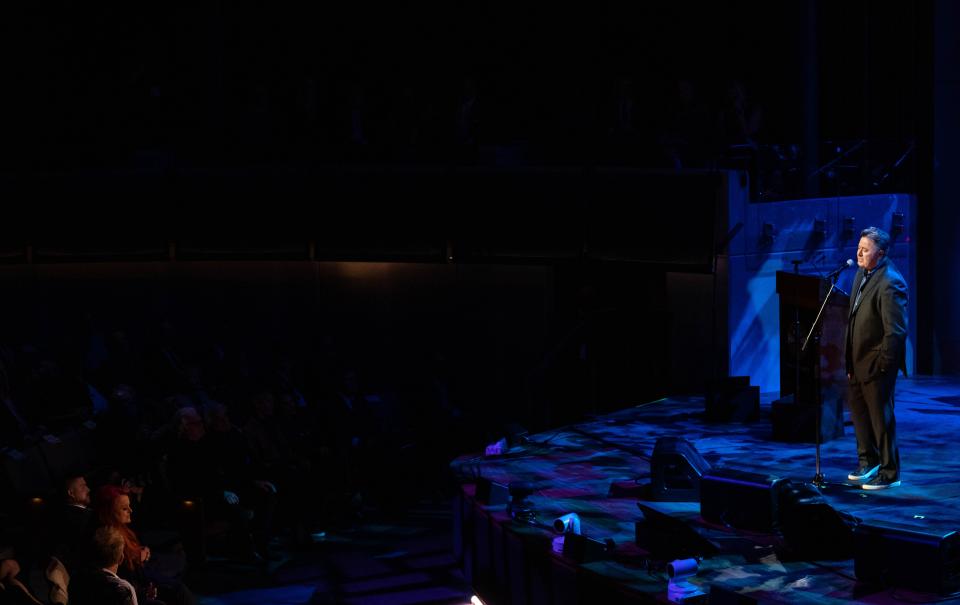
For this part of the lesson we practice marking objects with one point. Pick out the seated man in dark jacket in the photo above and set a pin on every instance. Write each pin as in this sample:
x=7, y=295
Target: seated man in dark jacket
x=195, y=473
x=74, y=524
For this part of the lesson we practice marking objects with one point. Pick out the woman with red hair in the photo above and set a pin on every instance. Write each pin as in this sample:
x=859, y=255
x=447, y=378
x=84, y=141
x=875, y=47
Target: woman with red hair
x=113, y=510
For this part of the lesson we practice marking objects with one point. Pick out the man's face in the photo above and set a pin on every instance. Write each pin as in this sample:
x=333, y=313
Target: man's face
x=79, y=493
x=868, y=254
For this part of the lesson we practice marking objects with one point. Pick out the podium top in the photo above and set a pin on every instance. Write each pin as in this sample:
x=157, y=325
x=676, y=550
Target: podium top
x=807, y=291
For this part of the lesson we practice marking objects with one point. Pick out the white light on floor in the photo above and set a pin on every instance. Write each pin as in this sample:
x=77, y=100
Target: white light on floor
x=475, y=600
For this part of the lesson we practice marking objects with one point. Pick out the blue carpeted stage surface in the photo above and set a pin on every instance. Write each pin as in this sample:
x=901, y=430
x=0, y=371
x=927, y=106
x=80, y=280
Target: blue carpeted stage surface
x=596, y=469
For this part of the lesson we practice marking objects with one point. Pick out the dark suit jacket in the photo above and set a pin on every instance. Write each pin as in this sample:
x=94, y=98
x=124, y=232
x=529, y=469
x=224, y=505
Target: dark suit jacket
x=877, y=328
x=74, y=531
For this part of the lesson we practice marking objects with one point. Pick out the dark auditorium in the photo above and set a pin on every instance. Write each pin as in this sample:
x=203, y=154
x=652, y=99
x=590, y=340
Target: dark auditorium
x=480, y=304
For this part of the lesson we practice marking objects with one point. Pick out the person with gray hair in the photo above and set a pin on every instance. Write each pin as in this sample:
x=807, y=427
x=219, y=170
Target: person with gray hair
x=875, y=349
x=101, y=585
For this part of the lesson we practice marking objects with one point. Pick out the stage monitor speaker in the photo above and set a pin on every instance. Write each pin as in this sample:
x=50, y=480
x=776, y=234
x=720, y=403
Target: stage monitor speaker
x=740, y=499
x=907, y=557
x=667, y=538
x=675, y=470
x=811, y=528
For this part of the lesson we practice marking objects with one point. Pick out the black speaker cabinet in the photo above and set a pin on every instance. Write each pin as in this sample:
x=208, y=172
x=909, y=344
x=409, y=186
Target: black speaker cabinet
x=890, y=555
x=740, y=499
x=675, y=470
x=811, y=528
x=667, y=538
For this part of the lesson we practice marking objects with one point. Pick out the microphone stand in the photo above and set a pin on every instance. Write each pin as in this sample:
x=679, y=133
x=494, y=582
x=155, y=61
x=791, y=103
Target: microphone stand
x=818, y=478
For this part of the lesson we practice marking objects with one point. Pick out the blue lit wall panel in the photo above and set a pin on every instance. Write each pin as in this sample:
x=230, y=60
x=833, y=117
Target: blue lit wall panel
x=821, y=234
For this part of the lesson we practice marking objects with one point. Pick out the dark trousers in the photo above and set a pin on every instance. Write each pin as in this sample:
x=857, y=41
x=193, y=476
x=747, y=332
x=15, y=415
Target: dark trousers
x=871, y=409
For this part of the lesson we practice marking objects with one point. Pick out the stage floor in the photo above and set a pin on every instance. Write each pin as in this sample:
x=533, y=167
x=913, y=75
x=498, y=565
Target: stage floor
x=574, y=468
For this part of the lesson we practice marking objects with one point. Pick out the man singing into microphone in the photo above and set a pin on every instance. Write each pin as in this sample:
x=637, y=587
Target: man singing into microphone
x=875, y=350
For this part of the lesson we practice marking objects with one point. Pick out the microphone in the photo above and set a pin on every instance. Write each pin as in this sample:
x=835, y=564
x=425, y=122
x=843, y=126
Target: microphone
x=836, y=272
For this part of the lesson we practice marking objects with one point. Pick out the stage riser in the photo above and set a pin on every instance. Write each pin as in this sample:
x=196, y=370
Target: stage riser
x=511, y=564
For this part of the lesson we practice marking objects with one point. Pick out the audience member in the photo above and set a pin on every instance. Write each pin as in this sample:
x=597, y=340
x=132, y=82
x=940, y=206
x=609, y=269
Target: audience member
x=122, y=365
x=197, y=469
x=149, y=579
x=100, y=584
x=57, y=398
x=74, y=524
x=352, y=421
x=120, y=431
x=233, y=457
x=12, y=590
x=275, y=460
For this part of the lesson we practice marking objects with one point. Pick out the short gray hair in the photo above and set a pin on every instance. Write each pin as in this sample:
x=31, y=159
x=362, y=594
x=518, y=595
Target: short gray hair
x=880, y=237
x=108, y=546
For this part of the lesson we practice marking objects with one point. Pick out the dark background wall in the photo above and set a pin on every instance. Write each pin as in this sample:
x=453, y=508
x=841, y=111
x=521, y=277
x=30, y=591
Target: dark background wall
x=534, y=345
x=224, y=84
x=177, y=136
x=943, y=208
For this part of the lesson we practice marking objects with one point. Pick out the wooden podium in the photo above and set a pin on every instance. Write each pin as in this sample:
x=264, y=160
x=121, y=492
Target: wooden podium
x=822, y=375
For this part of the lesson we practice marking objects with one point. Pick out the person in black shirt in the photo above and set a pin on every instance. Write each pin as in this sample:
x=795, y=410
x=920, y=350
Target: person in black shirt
x=74, y=524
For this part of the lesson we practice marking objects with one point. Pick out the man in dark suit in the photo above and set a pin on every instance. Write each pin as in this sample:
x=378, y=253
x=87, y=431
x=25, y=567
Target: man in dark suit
x=875, y=350
x=74, y=524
